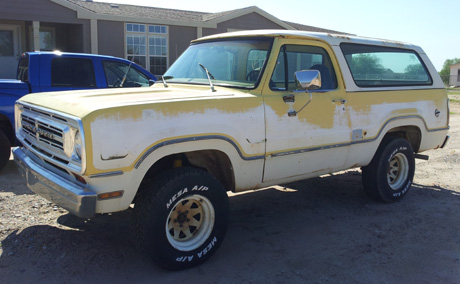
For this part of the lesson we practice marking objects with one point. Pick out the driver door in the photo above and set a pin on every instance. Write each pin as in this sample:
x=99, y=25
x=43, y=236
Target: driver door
x=316, y=139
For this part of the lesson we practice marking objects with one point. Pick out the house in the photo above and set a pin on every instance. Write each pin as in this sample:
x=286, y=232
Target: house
x=454, y=78
x=152, y=37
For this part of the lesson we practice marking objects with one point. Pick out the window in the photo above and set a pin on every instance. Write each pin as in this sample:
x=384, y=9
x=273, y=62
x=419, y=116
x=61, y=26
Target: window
x=47, y=39
x=294, y=58
x=376, y=66
x=6, y=43
x=147, y=45
x=72, y=72
x=116, y=71
x=231, y=63
x=23, y=69
x=137, y=49
x=256, y=60
x=458, y=75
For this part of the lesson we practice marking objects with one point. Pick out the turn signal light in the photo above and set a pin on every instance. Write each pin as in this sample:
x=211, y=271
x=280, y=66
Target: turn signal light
x=79, y=179
x=110, y=195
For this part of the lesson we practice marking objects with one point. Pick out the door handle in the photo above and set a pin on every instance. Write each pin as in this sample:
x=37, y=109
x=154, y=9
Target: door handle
x=289, y=98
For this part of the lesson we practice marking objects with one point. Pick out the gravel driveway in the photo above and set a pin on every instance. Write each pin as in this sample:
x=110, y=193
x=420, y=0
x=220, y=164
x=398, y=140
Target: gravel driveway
x=322, y=230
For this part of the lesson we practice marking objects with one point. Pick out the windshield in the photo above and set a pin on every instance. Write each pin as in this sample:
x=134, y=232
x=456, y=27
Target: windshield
x=236, y=63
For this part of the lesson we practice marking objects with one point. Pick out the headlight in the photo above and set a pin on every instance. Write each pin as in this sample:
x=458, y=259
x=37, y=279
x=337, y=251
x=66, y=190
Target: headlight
x=77, y=145
x=69, y=141
x=73, y=144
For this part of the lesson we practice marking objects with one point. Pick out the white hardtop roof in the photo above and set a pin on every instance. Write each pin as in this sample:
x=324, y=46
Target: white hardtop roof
x=332, y=39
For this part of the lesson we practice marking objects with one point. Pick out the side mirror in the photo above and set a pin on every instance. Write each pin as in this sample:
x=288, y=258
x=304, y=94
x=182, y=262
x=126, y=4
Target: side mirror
x=151, y=82
x=307, y=80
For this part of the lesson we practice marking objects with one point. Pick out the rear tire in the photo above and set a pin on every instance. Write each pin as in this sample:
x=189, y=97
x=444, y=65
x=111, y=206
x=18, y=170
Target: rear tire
x=389, y=176
x=181, y=218
x=5, y=149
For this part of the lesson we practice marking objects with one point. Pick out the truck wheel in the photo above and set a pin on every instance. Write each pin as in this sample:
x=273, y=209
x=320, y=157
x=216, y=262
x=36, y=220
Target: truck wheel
x=5, y=149
x=389, y=175
x=181, y=219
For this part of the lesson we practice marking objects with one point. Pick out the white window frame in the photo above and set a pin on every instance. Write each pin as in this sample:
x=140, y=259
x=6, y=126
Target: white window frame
x=144, y=30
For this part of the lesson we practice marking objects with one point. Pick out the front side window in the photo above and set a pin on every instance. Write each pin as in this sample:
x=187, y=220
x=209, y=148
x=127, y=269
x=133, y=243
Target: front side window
x=377, y=66
x=147, y=45
x=115, y=73
x=236, y=62
x=72, y=72
x=294, y=58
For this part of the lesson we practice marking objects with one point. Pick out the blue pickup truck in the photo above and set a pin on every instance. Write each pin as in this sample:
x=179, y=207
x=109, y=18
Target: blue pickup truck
x=59, y=71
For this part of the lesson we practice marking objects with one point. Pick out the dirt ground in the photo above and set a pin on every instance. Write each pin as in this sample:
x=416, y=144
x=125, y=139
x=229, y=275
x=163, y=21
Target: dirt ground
x=322, y=230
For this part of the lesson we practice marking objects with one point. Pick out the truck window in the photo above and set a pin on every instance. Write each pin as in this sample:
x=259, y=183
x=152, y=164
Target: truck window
x=378, y=66
x=23, y=69
x=115, y=71
x=256, y=60
x=72, y=72
x=230, y=62
x=294, y=58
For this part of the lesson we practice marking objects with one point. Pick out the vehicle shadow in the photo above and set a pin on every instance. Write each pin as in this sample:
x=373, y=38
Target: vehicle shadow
x=12, y=181
x=315, y=231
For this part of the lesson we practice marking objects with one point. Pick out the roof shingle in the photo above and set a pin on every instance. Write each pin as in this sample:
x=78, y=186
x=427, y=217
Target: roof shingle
x=126, y=10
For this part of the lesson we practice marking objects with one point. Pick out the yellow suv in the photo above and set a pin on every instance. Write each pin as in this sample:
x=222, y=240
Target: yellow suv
x=236, y=111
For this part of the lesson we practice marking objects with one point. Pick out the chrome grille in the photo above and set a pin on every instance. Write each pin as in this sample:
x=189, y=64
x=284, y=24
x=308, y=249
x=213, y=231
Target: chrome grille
x=43, y=132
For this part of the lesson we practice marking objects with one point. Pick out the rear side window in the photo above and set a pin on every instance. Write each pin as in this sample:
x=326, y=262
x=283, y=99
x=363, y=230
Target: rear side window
x=72, y=72
x=377, y=66
x=23, y=69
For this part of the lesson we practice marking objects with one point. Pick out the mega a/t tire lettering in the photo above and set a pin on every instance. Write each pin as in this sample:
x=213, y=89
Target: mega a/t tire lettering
x=192, y=225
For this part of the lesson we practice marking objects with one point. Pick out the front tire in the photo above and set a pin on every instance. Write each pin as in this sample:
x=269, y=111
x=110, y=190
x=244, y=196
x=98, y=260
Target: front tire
x=5, y=149
x=389, y=176
x=181, y=219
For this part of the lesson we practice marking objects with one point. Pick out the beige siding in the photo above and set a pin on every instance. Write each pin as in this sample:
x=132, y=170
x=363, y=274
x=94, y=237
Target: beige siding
x=111, y=38
x=36, y=10
x=179, y=40
x=72, y=34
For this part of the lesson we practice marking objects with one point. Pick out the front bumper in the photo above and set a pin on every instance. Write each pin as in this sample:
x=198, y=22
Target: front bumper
x=69, y=195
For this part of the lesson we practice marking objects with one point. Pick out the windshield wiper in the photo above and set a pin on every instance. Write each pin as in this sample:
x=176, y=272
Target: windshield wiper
x=209, y=77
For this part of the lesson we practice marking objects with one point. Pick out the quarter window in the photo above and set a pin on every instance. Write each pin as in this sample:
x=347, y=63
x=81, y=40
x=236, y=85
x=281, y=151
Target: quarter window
x=147, y=45
x=377, y=66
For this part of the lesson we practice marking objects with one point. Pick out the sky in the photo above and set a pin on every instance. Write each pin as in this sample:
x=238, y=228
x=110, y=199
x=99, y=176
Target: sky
x=433, y=25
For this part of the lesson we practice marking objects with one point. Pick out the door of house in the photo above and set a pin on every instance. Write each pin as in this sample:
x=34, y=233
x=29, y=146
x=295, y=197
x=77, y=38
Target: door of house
x=9, y=51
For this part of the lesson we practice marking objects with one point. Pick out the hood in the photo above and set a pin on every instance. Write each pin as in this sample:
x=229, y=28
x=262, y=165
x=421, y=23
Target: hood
x=82, y=102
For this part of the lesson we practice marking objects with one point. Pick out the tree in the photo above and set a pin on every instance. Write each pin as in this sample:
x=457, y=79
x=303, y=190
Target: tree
x=366, y=66
x=445, y=71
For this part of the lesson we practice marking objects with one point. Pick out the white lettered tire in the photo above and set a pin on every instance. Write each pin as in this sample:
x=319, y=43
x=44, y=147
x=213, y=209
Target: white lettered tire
x=389, y=176
x=181, y=218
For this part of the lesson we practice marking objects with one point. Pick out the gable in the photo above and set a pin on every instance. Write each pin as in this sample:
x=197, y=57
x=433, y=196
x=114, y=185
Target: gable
x=253, y=20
